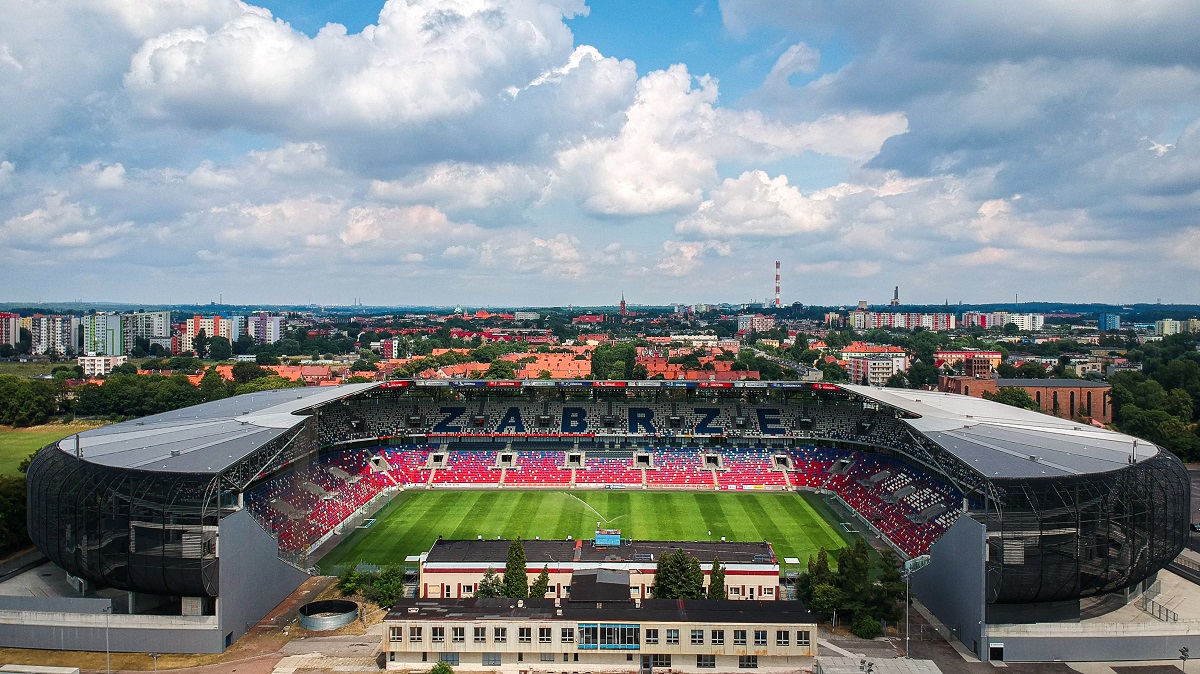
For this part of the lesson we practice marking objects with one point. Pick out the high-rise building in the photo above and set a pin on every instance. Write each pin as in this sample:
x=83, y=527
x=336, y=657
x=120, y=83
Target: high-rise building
x=152, y=326
x=1109, y=322
x=103, y=335
x=265, y=328
x=10, y=328
x=216, y=326
x=1167, y=327
x=58, y=335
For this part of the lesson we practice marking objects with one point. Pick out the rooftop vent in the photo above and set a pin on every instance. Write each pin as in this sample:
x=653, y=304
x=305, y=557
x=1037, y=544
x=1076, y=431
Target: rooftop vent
x=176, y=452
x=413, y=609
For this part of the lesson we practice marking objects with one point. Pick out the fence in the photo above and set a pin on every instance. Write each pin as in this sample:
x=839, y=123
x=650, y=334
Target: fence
x=1158, y=611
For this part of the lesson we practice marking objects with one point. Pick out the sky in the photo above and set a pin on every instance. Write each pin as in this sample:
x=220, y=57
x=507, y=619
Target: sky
x=555, y=152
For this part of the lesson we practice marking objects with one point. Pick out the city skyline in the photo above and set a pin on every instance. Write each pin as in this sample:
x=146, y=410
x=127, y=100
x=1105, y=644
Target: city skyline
x=529, y=153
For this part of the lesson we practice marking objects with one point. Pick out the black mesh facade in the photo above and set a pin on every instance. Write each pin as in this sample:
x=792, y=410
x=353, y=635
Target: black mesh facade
x=128, y=529
x=1063, y=538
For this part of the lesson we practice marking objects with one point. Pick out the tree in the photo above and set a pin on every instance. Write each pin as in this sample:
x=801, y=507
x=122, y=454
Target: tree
x=350, y=581
x=244, y=373
x=516, y=581
x=490, y=586
x=716, y=580
x=542, y=585
x=267, y=384
x=922, y=375
x=898, y=380
x=441, y=667
x=825, y=599
x=266, y=358
x=1016, y=397
x=865, y=627
x=219, y=348
x=501, y=369
x=854, y=568
x=1032, y=370
x=212, y=386
x=887, y=594
x=678, y=576
x=389, y=587
x=200, y=344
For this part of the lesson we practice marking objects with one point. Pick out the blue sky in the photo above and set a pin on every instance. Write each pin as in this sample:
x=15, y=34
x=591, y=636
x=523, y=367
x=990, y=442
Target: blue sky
x=557, y=151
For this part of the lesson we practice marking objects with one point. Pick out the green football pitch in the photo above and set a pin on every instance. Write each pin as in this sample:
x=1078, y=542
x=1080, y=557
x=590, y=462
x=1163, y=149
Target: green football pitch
x=796, y=524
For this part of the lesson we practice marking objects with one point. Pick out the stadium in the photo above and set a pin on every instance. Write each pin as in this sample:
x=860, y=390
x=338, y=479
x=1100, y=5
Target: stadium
x=190, y=526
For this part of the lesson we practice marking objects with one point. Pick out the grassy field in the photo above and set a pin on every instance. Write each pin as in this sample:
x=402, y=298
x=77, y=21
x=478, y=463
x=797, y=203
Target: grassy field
x=29, y=370
x=18, y=443
x=795, y=524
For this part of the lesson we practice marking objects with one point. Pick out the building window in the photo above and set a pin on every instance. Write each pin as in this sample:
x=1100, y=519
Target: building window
x=391, y=656
x=449, y=658
x=437, y=634
x=739, y=637
x=568, y=635
x=500, y=635
x=697, y=637
x=480, y=635
x=663, y=661
x=609, y=636
x=546, y=657
x=782, y=638
x=414, y=633
x=672, y=637
x=733, y=591
x=718, y=637
x=760, y=637
x=396, y=634
x=803, y=638
x=492, y=659
x=458, y=634
x=652, y=636
x=706, y=662
x=525, y=635
x=467, y=591
x=747, y=662
x=545, y=635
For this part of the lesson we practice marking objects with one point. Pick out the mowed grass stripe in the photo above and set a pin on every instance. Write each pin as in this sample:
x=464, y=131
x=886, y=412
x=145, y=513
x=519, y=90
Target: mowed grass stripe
x=795, y=524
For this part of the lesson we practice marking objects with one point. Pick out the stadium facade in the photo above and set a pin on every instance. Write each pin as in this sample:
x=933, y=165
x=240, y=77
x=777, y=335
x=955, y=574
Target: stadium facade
x=194, y=524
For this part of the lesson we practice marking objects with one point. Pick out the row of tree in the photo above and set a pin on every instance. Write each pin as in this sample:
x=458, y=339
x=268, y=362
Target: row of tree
x=850, y=589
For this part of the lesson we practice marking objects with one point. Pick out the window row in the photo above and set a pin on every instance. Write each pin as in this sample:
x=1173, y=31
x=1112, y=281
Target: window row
x=479, y=635
x=717, y=637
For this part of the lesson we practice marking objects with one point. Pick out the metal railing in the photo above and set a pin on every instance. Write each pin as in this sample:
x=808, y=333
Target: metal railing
x=1158, y=611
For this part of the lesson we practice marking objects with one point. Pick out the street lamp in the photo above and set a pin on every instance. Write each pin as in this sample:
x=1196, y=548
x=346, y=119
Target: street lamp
x=1183, y=655
x=155, y=656
x=107, y=652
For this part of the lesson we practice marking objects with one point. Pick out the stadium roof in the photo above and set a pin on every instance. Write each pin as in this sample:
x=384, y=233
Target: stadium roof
x=206, y=438
x=1001, y=441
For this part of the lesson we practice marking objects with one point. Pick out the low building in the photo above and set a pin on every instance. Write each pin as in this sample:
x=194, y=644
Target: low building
x=598, y=631
x=453, y=569
x=99, y=366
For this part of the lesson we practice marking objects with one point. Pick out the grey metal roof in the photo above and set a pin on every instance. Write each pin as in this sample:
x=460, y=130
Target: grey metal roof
x=1001, y=441
x=1052, y=383
x=205, y=438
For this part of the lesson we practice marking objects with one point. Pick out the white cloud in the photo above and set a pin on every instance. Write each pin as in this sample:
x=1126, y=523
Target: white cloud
x=460, y=185
x=104, y=176
x=756, y=205
x=681, y=258
x=667, y=152
x=796, y=59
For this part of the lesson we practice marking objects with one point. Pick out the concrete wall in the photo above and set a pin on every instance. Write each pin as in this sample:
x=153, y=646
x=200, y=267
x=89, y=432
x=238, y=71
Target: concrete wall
x=1108, y=642
x=253, y=580
x=125, y=633
x=954, y=583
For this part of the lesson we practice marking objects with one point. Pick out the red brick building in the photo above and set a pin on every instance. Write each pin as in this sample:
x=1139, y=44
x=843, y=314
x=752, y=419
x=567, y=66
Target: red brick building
x=1064, y=398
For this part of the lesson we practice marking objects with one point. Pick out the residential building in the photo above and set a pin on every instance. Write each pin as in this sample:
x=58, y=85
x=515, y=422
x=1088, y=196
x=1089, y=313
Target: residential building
x=99, y=366
x=870, y=320
x=865, y=349
x=875, y=370
x=1167, y=327
x=57, y=335
x=526, y=316
x=755, y=323
x=103, y=335
x=216, y=326
x=1028, y=322
x=10, y=328
x=1109, y=322
x=597, y=630
x=943, y=356
x=265, y=328
x=1193, y=325
x=152, y=326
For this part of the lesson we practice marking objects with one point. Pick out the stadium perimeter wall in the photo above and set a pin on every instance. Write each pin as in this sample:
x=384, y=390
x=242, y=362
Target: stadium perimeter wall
x=253, y=579
x=954, y=584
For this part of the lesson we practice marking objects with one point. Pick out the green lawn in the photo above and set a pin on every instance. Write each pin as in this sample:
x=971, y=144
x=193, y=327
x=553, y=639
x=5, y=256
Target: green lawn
x=796, y=524
x=18, y=443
